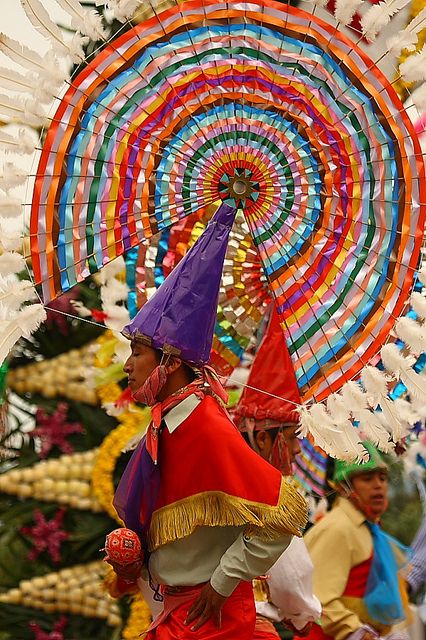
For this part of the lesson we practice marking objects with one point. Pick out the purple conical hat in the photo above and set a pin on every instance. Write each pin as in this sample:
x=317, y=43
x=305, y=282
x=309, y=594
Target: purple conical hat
x=180, y=317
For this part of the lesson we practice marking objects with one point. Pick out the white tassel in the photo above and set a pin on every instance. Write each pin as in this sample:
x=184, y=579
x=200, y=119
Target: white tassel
x=418, y=302
x=11, y=262
x=12, y=177
x=369, y=425
x=413, y=69
x=407, y=38
x=346, y=9
x=24, y=324
x=375, y=384
x=21, y=145
x=124, y=10
x=402, y=367
x=379, y=16
x=24, y=111
x=88, y=22
x=10, y=207
x=412, y=333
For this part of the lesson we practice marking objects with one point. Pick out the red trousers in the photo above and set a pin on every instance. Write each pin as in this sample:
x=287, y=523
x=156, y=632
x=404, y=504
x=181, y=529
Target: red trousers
x=265, y=630
x=238, y=617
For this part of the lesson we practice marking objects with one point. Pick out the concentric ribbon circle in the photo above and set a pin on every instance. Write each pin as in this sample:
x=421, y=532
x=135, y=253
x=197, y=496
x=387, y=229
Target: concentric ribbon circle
x=267, y=107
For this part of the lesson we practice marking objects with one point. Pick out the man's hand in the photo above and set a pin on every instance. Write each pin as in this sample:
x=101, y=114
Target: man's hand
x=129, y=572
x=207, y=606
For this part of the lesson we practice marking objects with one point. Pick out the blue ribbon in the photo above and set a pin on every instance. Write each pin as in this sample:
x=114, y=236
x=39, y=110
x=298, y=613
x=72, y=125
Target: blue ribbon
x=383, y=596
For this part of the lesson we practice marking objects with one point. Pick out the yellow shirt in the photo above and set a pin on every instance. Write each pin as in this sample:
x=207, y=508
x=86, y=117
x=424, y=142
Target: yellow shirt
x=338, y=542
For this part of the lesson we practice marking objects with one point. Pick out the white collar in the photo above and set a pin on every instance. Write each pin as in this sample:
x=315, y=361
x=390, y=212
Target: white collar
x=181, y=412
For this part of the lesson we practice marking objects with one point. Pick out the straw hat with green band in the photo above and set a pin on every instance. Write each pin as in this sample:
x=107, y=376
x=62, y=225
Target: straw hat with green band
x=343, y=471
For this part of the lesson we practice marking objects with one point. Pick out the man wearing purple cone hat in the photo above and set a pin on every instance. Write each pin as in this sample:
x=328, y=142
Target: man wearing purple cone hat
x=211, y=514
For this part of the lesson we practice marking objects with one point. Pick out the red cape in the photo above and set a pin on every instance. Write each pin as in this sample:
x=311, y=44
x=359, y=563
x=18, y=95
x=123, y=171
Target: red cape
x=211, y=477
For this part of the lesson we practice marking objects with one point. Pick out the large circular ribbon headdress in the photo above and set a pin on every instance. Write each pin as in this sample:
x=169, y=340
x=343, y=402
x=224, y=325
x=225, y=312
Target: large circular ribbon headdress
x=265, y=107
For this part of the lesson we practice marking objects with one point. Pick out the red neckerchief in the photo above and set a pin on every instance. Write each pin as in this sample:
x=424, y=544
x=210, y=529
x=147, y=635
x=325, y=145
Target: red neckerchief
x=199, y=387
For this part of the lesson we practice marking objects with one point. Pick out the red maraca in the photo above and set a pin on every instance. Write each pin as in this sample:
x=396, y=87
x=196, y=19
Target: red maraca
x=123, y=547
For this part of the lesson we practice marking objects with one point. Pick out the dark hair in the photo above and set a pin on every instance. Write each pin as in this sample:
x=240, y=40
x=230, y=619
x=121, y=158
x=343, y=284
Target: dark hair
x=272, y=432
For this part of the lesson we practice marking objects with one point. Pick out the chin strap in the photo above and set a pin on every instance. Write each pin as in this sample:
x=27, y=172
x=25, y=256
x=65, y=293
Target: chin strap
x=364, y=508
x=206, y=383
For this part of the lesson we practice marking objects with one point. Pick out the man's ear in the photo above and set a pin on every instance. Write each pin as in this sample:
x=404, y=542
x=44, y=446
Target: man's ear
x=260, y=438
x=343, y=490
x=173, y=363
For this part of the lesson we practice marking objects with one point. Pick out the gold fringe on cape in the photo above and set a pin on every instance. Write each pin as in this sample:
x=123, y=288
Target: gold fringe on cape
x=218, y=509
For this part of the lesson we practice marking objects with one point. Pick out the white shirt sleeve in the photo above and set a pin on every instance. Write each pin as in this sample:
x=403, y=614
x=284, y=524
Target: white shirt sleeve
x=290, y=586
x=246, y=559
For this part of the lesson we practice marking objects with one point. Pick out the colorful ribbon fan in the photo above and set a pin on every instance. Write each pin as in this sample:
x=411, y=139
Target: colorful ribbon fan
x=264, y=106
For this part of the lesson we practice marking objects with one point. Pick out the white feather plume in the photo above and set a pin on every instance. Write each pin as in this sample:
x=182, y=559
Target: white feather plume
x=11, y=262
x=418, y=302
x=88, y=22
x=25, y=111
x=346, y=9
x=122, y=349
x=350, y=435
x=124, y=10
x=413, y=69
x=76, y=48
x=407, y=38
x=309, y=425
x=23, y=325
x=422, y=275
x=79, y=307
x=13, y=293
x=42, y=22
x=412, y=333
x=369, y=425
x=402, y=367
x=40, y=88
x=21, y=54
x=112, y=269
x=117, y=316
x=375, y=384
x=379, y=15
x=14, y=81
x=23, y=144
x=318, y=3
x=407, y=411
x=10, y=207
x=32, y=61
x=9, y=241
x=418, y=97
x=12, y=177
x=113, y=292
